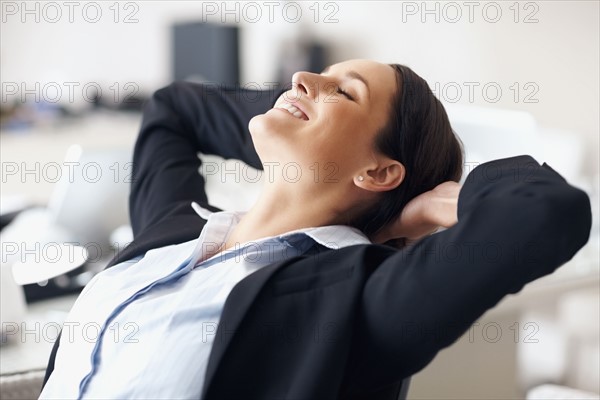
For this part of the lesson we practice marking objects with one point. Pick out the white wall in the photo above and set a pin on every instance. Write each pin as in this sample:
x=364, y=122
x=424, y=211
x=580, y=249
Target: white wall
x=558, y=54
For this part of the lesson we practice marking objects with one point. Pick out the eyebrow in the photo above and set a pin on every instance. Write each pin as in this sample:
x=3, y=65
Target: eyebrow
x=354, y=75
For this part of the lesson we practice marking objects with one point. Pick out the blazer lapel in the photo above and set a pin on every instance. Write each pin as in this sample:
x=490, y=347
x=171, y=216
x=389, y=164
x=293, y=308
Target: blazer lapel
x=236, y=306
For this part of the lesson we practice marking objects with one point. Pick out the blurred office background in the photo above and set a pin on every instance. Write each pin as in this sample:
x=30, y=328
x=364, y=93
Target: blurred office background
x=516, y=77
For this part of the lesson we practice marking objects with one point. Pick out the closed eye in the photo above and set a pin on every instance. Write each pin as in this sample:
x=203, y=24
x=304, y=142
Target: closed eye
x=344, y=93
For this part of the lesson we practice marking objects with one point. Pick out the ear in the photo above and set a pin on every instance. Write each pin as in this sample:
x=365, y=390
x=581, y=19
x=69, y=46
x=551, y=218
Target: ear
x=387, y=175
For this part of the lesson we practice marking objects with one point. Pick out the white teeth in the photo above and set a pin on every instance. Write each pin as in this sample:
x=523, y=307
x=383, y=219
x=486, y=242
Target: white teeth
x=295, y=111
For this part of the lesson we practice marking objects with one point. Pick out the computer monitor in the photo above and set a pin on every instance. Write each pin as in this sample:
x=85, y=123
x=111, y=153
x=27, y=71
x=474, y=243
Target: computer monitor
x=205, y=52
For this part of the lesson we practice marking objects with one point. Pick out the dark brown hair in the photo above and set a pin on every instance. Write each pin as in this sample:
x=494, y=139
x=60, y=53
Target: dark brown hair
x=418, y=135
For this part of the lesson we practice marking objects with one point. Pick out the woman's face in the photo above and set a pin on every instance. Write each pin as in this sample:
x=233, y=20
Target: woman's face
x=326, y=124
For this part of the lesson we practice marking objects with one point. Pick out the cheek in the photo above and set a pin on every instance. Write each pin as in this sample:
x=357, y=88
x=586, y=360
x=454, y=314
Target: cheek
x=345, y=153
x=352, y=147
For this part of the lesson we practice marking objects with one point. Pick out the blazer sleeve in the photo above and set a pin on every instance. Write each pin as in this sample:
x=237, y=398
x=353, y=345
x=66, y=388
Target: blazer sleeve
x=180, y=121
x=517, y=221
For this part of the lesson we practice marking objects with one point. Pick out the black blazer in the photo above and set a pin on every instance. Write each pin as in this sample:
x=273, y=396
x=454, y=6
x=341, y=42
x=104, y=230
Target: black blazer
x=350, y=323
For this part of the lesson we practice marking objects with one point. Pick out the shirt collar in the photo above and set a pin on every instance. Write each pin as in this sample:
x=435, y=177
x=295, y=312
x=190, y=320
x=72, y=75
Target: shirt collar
x=333, y=236
x=330, y=236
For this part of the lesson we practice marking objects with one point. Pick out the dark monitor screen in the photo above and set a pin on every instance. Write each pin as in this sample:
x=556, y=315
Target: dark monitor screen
x=205, y=52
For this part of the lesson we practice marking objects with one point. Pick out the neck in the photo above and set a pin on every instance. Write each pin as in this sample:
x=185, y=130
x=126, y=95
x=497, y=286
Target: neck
x=279, y=210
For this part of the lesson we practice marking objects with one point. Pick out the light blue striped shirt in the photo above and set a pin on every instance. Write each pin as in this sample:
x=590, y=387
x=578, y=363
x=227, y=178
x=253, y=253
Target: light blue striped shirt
x=145, y=327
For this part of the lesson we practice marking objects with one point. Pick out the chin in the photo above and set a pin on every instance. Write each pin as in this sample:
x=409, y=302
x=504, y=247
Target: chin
x=266, y=137
x=276, y=137
x=257, y=124
x=269, y=125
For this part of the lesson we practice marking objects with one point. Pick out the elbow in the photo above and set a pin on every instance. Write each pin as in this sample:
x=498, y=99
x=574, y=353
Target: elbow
x=571, y=209
x=559, y=221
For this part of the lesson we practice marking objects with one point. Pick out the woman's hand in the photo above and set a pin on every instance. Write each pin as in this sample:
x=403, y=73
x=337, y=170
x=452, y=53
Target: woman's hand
x=424, y=215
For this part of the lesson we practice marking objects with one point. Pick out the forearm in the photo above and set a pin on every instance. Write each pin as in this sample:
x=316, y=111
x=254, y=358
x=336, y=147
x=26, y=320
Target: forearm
x=180, y=121
x=165, y=161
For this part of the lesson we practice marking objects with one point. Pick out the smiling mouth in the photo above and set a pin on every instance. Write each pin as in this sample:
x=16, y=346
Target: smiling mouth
x=293, y=110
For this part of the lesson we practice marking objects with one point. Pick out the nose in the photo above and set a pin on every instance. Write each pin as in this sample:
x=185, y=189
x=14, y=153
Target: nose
x=305, y=84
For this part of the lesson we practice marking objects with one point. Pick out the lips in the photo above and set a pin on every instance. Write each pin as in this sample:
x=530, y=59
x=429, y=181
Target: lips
x=293, y=109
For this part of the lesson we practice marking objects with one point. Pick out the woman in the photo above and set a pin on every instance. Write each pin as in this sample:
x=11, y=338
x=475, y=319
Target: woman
x=291, y=300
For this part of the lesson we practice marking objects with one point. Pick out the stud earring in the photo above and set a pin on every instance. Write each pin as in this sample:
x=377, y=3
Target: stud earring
x=360, y=178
